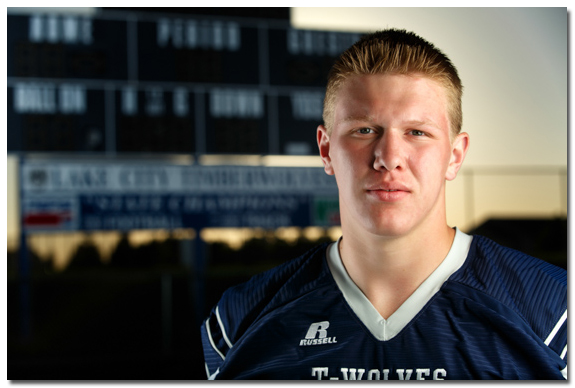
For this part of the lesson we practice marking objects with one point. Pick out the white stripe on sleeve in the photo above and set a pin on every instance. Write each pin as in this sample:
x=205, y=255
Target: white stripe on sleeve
x=223, y=328
x=556, y=328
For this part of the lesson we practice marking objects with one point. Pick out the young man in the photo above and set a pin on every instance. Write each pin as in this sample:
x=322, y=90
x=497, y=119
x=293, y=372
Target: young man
x=401, y=295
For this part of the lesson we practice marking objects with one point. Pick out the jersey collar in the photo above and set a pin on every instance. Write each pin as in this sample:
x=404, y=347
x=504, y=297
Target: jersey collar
x=386, y=329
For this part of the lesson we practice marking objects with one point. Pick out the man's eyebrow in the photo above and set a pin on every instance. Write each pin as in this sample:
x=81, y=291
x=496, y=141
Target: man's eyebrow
x=422, y=123
x=352, y=118
x=419, y=122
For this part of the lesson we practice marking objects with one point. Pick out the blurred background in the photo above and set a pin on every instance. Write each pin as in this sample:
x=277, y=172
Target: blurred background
x=157, y=156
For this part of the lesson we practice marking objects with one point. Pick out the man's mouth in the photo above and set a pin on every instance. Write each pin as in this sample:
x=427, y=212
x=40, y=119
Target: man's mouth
x=388, y=192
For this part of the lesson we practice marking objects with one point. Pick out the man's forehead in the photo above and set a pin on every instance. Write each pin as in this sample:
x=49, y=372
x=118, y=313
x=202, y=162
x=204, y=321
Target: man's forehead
x=367, y=80
x=360, y=100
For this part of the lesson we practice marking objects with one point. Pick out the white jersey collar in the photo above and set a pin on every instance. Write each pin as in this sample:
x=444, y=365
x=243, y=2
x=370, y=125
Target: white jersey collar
x=386, y=329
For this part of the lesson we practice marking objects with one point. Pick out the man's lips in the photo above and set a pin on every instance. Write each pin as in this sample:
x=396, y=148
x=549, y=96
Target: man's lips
x=387, y=187
x=388, y=192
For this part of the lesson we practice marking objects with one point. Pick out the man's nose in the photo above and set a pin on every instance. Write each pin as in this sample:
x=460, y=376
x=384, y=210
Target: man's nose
x=388, y=152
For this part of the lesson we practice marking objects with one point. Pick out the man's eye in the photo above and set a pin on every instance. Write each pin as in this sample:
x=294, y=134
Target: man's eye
x=365, y=131
x=415, y=132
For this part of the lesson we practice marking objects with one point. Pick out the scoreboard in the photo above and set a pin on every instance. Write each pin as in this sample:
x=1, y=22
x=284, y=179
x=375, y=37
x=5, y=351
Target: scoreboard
x=129, y=83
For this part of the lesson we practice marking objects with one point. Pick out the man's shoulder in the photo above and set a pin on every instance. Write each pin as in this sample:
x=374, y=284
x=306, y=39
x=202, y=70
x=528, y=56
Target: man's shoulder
x=502, y=276
x=244, y=303
x=244, y=306
x=305, y=267
x=488, y=256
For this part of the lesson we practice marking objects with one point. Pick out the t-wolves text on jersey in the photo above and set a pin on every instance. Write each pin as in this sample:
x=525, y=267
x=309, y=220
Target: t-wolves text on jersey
x=487, y=312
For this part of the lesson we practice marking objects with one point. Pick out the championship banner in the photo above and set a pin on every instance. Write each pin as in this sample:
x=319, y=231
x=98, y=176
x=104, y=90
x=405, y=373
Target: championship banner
x=128, y=195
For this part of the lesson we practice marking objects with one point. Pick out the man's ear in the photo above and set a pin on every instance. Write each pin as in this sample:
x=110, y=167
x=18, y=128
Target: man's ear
x=458, y=152
x=323, y=145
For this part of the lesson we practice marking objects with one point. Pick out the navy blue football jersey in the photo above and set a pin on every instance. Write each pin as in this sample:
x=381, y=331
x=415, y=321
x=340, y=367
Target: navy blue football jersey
x=487, y=312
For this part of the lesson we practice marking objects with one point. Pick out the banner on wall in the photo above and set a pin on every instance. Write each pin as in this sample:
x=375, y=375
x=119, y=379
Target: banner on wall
x=60, y=196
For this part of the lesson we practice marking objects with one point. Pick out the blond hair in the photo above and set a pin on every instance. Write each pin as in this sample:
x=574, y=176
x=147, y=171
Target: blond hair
x=395, y=52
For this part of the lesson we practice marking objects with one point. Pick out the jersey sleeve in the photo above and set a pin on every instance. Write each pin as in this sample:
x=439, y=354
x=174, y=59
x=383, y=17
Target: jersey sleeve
x=531, y=287
x=237, y=309
x=543, y=301
x=242, y=305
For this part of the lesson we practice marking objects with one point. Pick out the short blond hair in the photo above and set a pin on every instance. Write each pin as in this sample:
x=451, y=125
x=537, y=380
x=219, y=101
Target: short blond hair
x=396, y=52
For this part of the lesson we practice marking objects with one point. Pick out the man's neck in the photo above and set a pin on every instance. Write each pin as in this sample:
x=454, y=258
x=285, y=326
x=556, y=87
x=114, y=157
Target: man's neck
x=388, y=270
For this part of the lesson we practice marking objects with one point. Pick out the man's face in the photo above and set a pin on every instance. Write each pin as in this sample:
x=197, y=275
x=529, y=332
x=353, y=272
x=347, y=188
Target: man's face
x=390, y=151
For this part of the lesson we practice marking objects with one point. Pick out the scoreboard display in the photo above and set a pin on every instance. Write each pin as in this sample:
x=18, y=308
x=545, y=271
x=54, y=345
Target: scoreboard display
x=128, y=83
